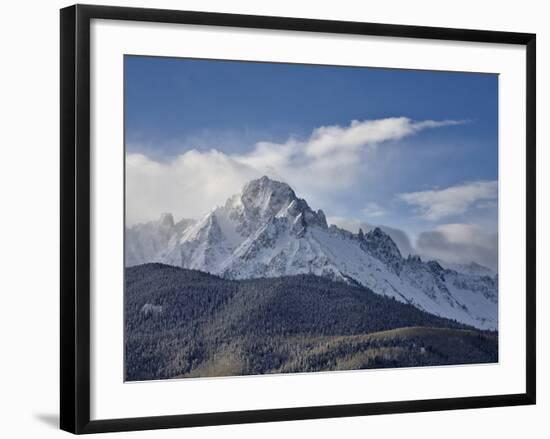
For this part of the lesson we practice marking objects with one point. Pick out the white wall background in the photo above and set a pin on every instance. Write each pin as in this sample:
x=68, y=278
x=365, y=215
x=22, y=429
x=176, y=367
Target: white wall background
x=29, y=203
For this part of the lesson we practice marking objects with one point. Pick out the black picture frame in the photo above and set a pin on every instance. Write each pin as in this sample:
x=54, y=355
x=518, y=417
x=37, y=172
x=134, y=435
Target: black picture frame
x=75, y=217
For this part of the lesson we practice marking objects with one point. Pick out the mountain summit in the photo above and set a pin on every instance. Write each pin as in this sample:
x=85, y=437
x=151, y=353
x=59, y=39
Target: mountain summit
x=263, y=199
x=266, y=231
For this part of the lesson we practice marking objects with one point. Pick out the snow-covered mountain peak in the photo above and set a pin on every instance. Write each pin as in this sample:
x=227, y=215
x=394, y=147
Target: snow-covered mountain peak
x=267, y=231
x=167, y=220
x=377, y=238
x=380, y=245
x=149, y=241
x=435, y=267
x=265, y=198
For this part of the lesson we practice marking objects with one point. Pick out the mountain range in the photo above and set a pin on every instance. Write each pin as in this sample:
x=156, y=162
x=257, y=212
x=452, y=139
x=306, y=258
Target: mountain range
x=267, y=231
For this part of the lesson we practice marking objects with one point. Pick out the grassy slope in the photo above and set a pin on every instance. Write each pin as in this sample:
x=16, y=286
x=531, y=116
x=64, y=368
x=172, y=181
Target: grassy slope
x=402, y=347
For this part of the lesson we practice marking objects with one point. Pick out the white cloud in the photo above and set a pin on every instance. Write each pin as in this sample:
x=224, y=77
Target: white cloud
x=187, y=187
x=459, y=244
x=331, y=159
x=335, y=139
x=455, y=200
x=374, y=210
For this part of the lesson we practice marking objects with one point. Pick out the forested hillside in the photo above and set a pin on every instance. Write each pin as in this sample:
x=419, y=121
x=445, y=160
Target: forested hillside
x=181, y=322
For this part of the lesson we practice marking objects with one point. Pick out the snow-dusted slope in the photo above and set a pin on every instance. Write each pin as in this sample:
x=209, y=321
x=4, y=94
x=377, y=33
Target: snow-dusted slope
x=150, y=241
x=267, y=231
x=471, y=268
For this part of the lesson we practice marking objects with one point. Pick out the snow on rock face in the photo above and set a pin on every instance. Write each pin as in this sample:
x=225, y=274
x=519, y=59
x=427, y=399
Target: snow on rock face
x=471, y=268
x=265, y=198
x=381, y=246
x=149, y=242
x=166, y=220
x=267, y=231
x=151, y=310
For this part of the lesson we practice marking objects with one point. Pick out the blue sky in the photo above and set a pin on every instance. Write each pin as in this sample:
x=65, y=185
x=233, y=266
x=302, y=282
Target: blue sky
x=422, y=156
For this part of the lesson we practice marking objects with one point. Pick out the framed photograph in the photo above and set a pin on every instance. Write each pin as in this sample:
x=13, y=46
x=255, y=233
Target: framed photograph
x=268, y=218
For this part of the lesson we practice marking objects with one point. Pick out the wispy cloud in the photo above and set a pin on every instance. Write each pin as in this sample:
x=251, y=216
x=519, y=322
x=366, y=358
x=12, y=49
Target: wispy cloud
x=332, y=153
x=459, y=243
x=332, y=158
x=454, y=200
x=329, y=140
x=374, y=210
x=188, y=186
